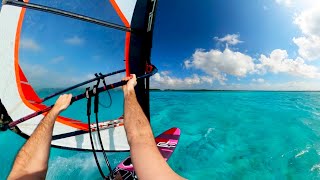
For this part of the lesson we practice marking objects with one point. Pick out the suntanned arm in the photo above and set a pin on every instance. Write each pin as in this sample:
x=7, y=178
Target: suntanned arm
x=146, y=158
x=32, y=160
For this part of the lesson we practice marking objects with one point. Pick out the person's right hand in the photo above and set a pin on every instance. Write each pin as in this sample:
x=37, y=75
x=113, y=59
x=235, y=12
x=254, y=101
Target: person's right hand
x=132, y=82
x=63, y=102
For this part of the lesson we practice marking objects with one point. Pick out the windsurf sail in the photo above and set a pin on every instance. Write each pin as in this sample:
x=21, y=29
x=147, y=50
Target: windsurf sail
x=27, y=109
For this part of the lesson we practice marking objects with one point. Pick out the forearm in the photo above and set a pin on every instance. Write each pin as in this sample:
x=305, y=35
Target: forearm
x=146, y=158
x=33, y=156
x=137, y=125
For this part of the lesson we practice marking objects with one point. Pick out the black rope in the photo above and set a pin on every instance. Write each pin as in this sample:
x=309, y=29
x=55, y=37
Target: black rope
x=96, y=110
x=90, y=133
x=110, y=99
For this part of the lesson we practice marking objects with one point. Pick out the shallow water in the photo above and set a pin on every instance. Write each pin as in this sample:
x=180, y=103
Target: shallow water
x=225, y=135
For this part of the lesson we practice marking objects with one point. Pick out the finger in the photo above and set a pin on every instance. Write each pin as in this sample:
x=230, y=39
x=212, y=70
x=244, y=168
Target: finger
x=133, y=76
x=69, y=97
x=126, y=78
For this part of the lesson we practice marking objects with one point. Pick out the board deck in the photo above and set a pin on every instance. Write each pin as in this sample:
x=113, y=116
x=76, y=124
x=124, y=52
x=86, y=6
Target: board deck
x=166, y=142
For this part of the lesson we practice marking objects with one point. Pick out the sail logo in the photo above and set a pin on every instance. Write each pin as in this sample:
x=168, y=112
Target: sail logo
x=151, y=15
x=167, y=144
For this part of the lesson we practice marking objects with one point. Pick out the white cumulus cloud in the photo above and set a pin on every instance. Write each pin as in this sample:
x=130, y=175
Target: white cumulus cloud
x=217, y=64
x=308, y=22
x=309, y=47
x=230, y=39
x=278, y=62
x=163, y=80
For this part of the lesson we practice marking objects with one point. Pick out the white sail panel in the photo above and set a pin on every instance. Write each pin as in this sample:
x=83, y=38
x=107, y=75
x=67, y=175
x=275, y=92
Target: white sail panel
x=112, y=139
x=126, y=7
x=9, y=93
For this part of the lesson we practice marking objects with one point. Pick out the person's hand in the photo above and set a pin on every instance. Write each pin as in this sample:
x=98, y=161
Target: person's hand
x=132, y=82
x=63, y=102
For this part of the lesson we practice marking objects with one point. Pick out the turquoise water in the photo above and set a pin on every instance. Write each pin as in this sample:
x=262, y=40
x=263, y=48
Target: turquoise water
x=225, y=135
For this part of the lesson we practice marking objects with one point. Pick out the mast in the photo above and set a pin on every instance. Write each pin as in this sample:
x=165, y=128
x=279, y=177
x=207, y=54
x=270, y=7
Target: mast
x=140, y=48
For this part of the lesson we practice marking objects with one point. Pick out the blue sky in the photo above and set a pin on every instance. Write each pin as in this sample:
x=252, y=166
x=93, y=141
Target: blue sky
x=230, y=44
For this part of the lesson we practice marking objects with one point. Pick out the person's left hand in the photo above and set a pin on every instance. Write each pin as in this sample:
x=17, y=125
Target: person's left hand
x=63, y=102
x=132, y=82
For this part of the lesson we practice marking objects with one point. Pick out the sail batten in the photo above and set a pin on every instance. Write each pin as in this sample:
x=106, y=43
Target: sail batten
x=67, y=14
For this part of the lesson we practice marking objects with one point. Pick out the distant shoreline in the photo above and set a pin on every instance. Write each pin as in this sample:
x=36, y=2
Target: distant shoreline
x=195, y=90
